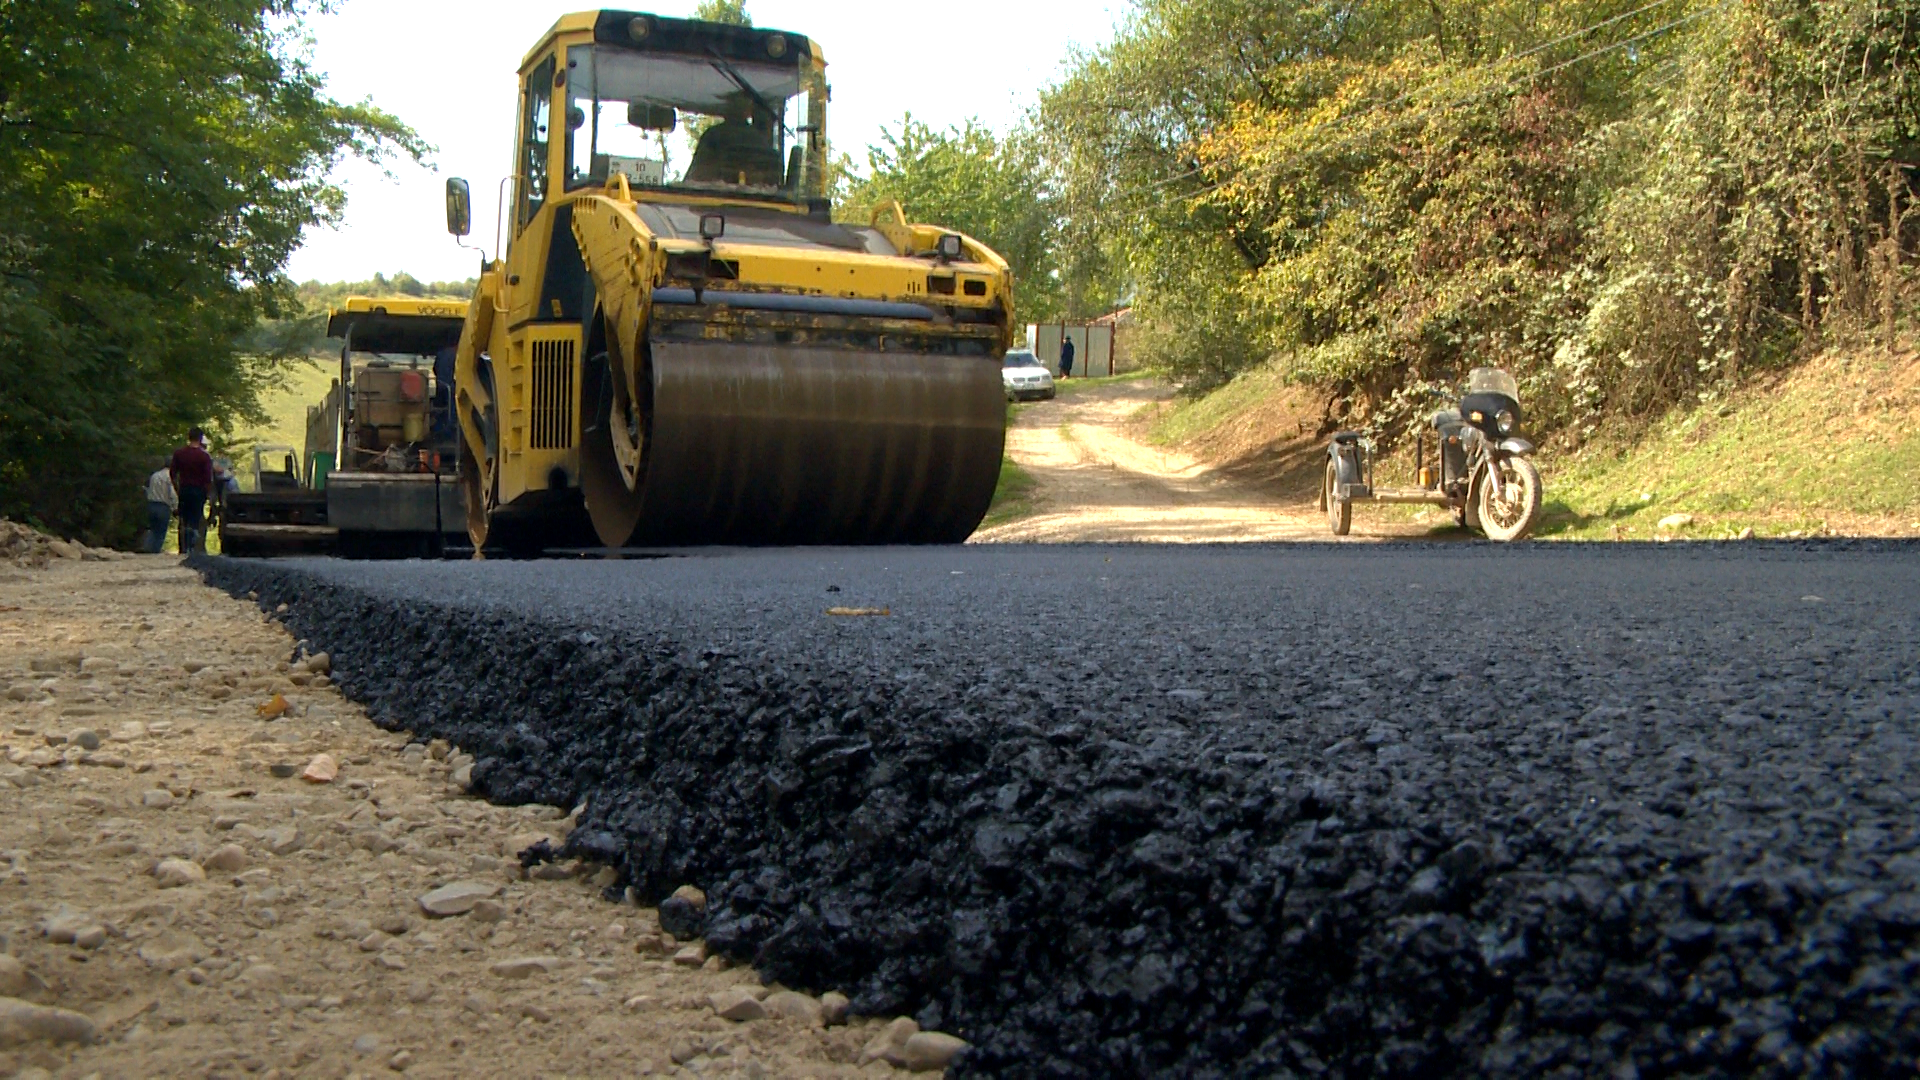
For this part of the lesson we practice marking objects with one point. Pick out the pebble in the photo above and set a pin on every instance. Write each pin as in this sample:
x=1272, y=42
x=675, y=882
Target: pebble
x=85, y=739
x=321, y=770
x=401, y=1061
x=65, y=924
x=930, y=1050
x=91, y=938
x=17, y=980
x=463, y=776
x=21, y=1022
x=488, y=911
x=283, y=769
x=226, y=859
x=794, y=1005
x=737, y=1005
x=890, y=1045
x=366, y=1044
x=173, y=873
x=320, y=663
x=458, y=898
x=525, y=967
x=833, y=1008
x=157, y=799
x=692, y=956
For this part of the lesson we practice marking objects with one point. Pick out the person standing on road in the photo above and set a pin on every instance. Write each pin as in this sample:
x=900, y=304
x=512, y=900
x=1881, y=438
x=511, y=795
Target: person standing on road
x=161, y=503
x=1066, y=356
x=192, y=470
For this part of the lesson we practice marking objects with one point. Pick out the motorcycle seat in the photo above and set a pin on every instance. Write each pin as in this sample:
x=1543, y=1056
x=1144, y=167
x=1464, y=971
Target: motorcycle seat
x=1446, y=420
x=1346, y=438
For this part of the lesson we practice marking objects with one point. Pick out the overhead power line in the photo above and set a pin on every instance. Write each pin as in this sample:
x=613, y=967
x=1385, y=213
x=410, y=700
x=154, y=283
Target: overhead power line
x=1511, y=84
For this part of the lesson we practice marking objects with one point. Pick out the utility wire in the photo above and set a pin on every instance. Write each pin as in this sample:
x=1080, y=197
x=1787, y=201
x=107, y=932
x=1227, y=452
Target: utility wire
x=1514, y=84
x=1536, y=50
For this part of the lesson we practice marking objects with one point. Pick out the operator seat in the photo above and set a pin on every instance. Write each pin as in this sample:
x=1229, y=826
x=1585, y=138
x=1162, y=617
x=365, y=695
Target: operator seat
x=731, y=150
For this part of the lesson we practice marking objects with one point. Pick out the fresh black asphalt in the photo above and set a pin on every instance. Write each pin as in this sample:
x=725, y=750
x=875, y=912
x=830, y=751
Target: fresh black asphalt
x=1380, y=810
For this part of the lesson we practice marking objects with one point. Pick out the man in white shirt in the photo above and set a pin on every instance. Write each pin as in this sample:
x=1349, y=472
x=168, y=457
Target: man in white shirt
x=161, y=503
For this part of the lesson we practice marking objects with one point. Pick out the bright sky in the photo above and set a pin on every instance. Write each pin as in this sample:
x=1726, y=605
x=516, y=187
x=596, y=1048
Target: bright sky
x=447, y=67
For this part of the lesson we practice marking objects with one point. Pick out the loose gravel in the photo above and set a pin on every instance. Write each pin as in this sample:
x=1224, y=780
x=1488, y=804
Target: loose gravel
x=1307, y=810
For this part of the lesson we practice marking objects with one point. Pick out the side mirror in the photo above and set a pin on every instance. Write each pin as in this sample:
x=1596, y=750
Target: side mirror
x=650, y=117
x=459, y=207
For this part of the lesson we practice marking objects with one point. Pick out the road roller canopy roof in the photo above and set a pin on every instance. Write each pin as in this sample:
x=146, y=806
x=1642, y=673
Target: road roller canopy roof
x=398, y=325
x=679, y=105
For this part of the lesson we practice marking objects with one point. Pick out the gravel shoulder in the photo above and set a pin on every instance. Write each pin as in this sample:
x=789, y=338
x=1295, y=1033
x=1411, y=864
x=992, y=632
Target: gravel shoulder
x=1098, y=480
x=1225, y=810
x=171, y=906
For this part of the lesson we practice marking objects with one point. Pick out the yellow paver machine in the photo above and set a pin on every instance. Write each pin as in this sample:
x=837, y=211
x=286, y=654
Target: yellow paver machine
x=680, y=345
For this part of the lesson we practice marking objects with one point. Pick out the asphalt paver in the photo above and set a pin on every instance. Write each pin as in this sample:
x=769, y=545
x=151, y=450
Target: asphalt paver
x=1292, y=810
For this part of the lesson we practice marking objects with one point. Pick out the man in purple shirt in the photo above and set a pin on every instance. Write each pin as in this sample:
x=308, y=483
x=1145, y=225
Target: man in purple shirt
x=192, y=470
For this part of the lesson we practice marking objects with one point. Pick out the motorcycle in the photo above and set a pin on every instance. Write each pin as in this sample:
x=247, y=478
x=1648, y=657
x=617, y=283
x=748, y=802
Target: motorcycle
x=1481, y=467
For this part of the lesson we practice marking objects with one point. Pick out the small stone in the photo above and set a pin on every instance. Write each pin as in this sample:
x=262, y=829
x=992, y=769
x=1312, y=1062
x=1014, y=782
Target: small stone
x=463, y=776
x=685, y=912
x=682, y=1051
x=833, y=1008
x=419, y=991
x=157, y=799
x=796, y=1006
x=737, y=1005
x=438, y=749
x=1745, y=534
x=401, y=1061
x=459, y=898
x=488, y=911
x=321, y=770
x=890, y=1045
x=930, y=1050
x=91, y=938
x=1675, y=521
x=85, y=739
x=320, y=663
x=525, y=967
x=17, y=981
x=263, y=976
x=691, y=956
x=65, y=924
x=173, y=873
x=390, y=962
x=22, y=1023
x=366, y=1044
x=283, y=770
x=226, y=859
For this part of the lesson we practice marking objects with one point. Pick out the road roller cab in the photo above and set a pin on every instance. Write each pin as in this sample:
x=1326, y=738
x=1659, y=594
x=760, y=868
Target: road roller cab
x=679, y=345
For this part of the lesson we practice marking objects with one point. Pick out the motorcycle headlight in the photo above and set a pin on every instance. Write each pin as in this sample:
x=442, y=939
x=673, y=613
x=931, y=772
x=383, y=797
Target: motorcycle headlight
x=1504, y=421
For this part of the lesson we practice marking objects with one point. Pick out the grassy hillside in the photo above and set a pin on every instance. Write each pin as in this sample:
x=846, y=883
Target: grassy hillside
x=307, y=384
x=1830, y=447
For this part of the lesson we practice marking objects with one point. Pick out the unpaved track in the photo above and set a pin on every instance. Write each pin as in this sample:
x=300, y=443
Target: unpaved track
x=308, y=954
x=1097, y=481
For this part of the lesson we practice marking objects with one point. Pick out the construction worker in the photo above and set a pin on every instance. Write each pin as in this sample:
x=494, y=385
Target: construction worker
x=161, y=503
x=191, y=468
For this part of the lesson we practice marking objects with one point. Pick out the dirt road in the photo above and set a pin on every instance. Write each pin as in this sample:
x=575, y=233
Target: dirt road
x=1098, y=480
x=176, y=900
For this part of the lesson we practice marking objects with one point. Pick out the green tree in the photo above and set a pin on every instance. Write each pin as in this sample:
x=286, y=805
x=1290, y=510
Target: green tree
x=992, y=189
x=733, y=12
x=159, y=163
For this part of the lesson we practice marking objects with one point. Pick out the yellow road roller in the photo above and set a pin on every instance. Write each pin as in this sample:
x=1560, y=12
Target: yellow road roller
x=679, y=344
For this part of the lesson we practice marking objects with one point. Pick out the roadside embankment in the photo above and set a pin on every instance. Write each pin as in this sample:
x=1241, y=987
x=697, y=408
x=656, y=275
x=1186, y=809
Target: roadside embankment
x=1408, y=809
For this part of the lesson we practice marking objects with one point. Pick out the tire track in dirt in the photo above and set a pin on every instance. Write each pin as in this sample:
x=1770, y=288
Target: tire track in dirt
x=1098, y=481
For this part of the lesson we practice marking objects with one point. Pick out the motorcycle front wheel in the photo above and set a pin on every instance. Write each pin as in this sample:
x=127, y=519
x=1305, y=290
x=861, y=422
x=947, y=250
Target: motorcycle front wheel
x=1339, y=511
x=1510, y=516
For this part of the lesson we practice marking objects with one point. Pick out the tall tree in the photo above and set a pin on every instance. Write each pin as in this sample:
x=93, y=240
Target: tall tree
x=733, y=12
x=160, y=161
x=990, y=188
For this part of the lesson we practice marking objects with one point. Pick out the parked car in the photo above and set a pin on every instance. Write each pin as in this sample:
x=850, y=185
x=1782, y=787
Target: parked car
x=1025, y=377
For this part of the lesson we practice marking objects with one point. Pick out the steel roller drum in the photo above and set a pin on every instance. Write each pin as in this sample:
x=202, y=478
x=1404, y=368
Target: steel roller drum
x=778, y=444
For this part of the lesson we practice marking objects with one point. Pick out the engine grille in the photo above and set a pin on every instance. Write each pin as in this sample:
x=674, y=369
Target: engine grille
x=552, y=419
